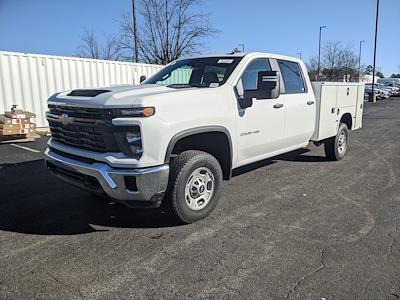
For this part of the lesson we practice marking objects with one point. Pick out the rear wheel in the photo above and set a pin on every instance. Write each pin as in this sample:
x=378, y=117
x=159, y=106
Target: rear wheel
x=194, y=185
x=336, y=147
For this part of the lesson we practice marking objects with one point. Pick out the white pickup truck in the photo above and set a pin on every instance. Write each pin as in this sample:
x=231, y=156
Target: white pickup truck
x=179, y=134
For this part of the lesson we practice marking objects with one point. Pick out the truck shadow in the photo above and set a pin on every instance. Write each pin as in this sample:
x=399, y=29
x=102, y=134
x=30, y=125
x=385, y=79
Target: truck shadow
x=294, y=156
x=32, y=201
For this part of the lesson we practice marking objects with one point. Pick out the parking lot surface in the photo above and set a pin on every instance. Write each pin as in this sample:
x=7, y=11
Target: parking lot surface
x=296, y=226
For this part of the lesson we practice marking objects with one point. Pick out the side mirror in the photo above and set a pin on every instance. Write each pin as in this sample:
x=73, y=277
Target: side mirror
x=267, y=86
x=245, y=102
x=142, y=78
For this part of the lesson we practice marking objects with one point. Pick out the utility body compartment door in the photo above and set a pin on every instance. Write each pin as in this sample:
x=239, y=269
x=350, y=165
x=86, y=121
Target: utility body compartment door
x=359, y=108
x=347, y=96
x=334, y=99
x=326, y=120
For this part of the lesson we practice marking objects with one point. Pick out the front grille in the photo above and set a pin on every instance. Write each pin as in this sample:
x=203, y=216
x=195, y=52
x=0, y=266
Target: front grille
x=82, y=112
x=98, y=138
x=84, y=128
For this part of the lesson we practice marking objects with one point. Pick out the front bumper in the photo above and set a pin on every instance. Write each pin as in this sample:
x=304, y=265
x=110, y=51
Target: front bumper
x=148, y=188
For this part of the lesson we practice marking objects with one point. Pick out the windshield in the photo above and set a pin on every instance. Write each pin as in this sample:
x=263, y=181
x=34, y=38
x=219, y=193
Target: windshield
x=196, y=72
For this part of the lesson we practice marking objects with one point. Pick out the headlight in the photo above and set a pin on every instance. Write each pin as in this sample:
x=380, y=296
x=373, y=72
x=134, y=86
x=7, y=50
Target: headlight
x=134, y=140
x=130, y=141
x=137, y=112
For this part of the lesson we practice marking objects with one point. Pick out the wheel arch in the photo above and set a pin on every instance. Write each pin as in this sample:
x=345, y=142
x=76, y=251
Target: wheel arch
x=195, y=139
x=347, y=119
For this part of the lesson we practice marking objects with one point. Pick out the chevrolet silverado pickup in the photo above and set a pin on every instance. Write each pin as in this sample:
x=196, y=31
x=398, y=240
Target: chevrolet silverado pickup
x=176, y=136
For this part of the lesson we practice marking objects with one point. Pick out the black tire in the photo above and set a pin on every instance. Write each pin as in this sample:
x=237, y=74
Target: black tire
x=334, y=149
x=181, y=170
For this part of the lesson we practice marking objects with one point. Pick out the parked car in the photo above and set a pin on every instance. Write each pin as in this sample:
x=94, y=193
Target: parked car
x=390, y=81
x=379, y=92
x=397, y=90
x=180, y=133
x=386, y=88
x=393, y=90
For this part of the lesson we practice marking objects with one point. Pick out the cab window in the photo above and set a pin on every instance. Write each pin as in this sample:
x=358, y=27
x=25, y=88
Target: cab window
x=292, y=77
x=248, y=80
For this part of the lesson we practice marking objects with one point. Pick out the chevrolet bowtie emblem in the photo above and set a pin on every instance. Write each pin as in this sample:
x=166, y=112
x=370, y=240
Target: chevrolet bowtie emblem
x=64, y=119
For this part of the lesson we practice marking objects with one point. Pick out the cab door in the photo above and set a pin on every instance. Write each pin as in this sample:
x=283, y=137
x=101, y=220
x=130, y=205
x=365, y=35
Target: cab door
x=260, y=128
x=300, y=106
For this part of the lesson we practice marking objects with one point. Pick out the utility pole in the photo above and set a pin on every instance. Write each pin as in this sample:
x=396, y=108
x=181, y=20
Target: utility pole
x=319, y=50
x=135, y=33
x=299, y=53
x=242, y=45
x=359, y=61
x=376, y=38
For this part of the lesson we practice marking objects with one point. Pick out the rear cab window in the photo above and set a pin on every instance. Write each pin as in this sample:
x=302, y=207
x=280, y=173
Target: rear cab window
x=293, y=79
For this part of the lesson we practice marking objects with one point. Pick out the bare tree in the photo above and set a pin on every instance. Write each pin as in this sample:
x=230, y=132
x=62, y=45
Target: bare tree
x=127, y=38
x=312, y=67
x=394, y=75
x=170, y=29
x=92, y=48
x=337, y=61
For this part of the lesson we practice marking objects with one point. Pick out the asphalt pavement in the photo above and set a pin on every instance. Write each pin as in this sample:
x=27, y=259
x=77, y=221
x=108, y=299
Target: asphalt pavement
x=292, y=227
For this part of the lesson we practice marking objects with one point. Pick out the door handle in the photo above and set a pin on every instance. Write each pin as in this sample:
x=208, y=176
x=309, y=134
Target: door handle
x=310, y=102
x=278, y=105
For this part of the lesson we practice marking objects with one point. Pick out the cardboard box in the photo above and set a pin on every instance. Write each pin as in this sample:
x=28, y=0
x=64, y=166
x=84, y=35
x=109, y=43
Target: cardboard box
x=5, y=120
x=19, y=114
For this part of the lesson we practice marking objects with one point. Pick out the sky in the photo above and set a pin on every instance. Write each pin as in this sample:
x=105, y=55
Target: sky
x=279, y=26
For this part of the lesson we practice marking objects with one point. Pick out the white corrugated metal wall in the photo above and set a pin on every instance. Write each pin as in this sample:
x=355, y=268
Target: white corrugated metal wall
x=28, y=80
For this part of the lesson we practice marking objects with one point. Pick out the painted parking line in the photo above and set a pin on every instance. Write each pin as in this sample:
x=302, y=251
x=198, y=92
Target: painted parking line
x=25, y=148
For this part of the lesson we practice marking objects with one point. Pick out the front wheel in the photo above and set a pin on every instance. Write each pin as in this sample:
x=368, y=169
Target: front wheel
x=336, y=147
x=194, y=185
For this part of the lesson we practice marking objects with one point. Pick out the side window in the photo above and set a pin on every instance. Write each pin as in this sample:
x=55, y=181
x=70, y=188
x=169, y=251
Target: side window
x=292, y=77
x=248, y=80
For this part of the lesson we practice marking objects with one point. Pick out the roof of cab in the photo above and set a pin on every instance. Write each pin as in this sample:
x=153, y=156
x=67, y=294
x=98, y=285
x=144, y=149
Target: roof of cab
x=243, y=54
x=236, y=54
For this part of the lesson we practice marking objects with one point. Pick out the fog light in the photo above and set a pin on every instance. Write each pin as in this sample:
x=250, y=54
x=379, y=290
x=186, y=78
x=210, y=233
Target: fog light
x=130, y=183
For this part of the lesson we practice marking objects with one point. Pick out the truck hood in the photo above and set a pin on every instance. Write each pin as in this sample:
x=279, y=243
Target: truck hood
x=114, y=96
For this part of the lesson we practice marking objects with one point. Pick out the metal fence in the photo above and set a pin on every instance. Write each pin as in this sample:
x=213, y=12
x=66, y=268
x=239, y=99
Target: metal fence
x=28, y=80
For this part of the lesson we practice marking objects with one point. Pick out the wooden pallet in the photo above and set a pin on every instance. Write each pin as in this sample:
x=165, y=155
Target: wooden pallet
x=13, y=139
